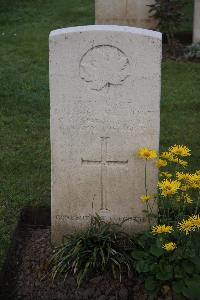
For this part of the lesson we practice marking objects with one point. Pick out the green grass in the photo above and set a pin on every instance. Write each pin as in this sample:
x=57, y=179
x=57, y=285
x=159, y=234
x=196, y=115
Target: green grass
x=187, y=25
x=180, y=107
x=24, y=102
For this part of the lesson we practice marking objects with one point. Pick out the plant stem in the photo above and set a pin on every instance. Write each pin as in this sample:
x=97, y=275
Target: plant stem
x=197, y=206
x=145, y=177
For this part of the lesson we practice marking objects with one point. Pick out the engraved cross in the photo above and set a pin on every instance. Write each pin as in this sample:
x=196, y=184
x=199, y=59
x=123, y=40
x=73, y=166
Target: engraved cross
x=104, y=163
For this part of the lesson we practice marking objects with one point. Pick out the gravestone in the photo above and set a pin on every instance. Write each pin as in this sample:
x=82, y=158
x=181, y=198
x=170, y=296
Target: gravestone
x=196, y=26
x=105, y=104
x=125, y=12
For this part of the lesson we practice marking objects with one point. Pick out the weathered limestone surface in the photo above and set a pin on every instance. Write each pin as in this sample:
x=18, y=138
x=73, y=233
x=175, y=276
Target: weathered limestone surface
x=105, y=104
x=124, y=12
x=196, y=27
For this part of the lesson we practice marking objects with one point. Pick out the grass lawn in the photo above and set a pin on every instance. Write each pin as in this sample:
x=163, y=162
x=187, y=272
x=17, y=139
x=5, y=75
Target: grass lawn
x=24, y=102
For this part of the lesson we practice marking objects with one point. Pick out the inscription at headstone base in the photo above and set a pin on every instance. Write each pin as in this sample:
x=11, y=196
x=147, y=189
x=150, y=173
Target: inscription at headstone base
x=105, y=104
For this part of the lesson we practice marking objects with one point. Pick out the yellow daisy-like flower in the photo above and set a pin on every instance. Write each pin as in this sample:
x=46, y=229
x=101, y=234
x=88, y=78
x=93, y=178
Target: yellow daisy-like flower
x=169, y=246
x=174, y=159
x=147, y=153
x=186, y=226
x=189, y=180
x=183, y=163
x=182, y=176
x=179, y=161
x=161, y=163
x=169, y=187
x=145, y=198
x=180, y=150
x=184, y=187
x=158, y=229
x=194, y=181
x=166, y=155
x=165, y=174
x=195, y=219
x=185, y=198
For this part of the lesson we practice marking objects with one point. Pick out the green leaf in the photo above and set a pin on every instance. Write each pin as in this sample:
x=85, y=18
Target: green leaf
x=150, y=284
x=165, y=267
x=192, y=291
x=142, y=266
x=196, y=261
x=178, y=286
x=138, y=255
x=164, y=276
x=178, y=272
x=156, y=251
x=188, y=266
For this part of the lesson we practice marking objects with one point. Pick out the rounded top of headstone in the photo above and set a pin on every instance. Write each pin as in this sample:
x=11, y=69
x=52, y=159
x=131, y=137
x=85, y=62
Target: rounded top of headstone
x=113, y=28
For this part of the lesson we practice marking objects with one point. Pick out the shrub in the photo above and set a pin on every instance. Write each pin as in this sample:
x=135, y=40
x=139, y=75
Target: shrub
x=103, y=247
x=192, y=51
x=169, y=14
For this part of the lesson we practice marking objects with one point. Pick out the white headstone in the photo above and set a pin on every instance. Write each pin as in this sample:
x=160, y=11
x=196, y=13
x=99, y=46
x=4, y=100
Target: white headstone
x=196, y=27
x=105, y=104
x=125, y=12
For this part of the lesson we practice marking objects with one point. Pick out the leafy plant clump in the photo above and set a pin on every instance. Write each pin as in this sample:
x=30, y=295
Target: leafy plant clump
x=169, y=268
x=169, y=15
x=192, y=51
x=167, y=256
x=103, y=247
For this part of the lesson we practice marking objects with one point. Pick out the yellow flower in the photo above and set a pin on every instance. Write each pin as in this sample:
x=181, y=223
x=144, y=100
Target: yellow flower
x=169, y=187
x=180, y=150
x=178, y=161
x=182, y=162
x=166, y=174
x=194, y=181
x=191, y=224
x=184, y=187
x=186, y=226
x=147, y=153
x=185, y=198
x=145, y=198
x=166, y=155
x=182, y=176
x=158, y=229
x=169, y=246
x=161, y=163
x=174, y=159
x=195, y=219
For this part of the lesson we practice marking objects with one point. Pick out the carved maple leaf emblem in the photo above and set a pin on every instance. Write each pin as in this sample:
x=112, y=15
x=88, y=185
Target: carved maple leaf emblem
x=104, y=65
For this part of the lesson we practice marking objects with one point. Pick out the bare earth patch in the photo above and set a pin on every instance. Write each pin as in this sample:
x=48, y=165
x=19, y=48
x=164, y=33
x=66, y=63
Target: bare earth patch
x=26, y=278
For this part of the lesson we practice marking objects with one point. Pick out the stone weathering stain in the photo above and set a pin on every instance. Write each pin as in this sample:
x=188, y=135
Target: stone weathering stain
x=105, y=104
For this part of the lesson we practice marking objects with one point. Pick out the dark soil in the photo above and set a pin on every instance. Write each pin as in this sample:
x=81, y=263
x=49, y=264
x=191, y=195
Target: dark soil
x=25, y=272
x=26, y=267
